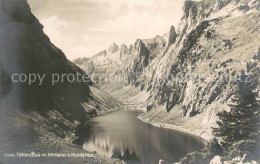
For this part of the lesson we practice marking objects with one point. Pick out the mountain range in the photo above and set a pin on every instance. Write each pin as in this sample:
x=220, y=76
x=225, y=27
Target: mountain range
x=183, y=78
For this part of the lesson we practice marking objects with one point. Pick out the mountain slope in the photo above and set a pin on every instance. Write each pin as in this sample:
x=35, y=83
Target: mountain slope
x=188, y=75
x=31, y=112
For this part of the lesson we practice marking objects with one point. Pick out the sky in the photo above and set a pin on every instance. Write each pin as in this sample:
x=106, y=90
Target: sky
x=82, y=28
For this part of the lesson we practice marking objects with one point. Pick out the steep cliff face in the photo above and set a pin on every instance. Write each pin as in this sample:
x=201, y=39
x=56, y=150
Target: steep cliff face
x=191, y=73
x=211, y=55
x=43, y=108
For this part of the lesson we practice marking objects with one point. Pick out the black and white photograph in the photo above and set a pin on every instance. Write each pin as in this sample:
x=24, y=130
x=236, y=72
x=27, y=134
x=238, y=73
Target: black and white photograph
x=129, y=81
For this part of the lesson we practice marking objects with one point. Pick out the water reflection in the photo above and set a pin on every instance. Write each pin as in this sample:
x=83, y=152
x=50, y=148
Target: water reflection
x=122, y=135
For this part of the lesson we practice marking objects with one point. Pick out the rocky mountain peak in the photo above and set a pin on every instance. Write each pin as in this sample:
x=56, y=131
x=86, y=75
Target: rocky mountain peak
x=140, y=48
x=113, y=48
x=187, y=7
x=139, y=44
x=17, y=10
x=123, y=50
x=123, y=47
x=172, y=36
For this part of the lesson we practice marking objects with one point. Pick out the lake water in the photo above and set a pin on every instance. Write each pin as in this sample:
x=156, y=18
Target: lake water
x=122, y=135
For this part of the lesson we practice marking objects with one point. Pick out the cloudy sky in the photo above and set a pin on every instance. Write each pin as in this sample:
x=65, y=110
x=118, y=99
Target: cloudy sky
x=82, y=28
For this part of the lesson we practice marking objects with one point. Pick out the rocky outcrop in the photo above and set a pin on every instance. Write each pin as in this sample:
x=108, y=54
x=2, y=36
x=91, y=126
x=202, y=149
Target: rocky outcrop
x=142, y=52
x=123, y=51
x=113, y=48
x=172, y=36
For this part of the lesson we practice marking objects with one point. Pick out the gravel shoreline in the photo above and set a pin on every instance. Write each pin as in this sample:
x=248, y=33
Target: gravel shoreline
x=206, y=136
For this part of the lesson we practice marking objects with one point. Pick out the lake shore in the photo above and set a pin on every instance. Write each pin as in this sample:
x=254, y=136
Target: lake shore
x=206, y=136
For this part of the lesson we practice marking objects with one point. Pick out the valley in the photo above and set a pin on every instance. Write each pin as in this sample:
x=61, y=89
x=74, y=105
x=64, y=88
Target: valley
x=178, y=81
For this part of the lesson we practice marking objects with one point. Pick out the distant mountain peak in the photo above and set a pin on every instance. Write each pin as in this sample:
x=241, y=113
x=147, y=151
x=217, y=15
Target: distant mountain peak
x=113, y=48
x=172, y=36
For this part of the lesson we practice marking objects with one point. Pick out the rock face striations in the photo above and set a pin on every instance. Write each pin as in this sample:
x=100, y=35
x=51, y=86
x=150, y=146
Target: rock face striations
x=188, y=75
